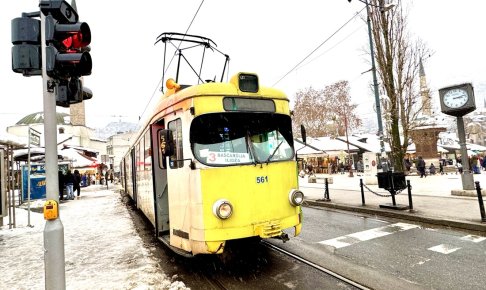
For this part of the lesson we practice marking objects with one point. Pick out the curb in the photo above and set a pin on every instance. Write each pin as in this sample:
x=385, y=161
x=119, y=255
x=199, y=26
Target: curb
x=472, y=225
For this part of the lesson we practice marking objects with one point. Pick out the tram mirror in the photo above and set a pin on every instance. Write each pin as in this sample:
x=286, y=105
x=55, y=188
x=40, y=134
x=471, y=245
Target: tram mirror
x=303, y=134
x=166, y=142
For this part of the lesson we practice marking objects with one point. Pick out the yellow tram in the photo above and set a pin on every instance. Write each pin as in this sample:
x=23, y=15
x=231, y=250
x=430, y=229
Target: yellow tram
x=215, y=163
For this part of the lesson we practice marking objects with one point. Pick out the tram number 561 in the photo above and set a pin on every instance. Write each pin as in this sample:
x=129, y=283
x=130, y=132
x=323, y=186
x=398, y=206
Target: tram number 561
x=261, y=179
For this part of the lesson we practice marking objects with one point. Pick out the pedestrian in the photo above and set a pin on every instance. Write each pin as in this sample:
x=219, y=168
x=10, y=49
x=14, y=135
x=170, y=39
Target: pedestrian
x=459, y=167
x=77, y=182
x=408, y=164
x=310, y=169
x=107, y=175
x=111, y=177
x=69, y=181
x=61, y=178
x=421, y=167
x=441, y=167
x=432, y=169
x=84, y=180
x=341, y=167
x=359, y=166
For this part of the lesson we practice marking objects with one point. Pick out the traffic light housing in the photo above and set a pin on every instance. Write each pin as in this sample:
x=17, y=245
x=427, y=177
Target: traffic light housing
x=67, y=51
x=26, y=52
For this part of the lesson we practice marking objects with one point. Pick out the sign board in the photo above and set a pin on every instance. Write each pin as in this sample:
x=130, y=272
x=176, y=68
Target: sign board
x=37, y=180
x=370, y=168
x=34, y=139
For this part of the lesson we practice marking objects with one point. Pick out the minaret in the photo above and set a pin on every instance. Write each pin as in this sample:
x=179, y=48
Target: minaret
x=424, y=92
x=78, y=116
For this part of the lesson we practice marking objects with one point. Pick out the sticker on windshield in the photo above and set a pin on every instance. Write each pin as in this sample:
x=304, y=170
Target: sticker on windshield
x=227, y=158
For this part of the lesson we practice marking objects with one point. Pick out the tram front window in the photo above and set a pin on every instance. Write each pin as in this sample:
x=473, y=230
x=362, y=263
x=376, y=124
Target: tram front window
x=241, y=138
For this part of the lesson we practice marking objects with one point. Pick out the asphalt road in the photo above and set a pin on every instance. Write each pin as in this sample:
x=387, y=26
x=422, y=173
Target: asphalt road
x=385, y=253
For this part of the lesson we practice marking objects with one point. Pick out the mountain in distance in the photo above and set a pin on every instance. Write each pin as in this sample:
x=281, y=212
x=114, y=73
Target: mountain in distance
x=114, y=128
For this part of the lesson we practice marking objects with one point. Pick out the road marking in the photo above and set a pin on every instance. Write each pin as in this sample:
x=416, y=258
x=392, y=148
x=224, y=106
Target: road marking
x=344, y=241
x=444, y=249
x=473, y=238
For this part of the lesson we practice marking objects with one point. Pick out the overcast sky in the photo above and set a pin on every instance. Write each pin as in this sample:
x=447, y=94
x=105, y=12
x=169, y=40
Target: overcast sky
x=266, y=37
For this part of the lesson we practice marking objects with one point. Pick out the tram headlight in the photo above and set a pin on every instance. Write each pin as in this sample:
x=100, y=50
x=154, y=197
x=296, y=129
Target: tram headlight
x=296, y=197
x=222, y=209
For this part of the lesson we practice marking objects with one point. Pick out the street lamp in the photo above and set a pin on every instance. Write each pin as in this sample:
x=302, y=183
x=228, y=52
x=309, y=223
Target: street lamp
x=373, y=70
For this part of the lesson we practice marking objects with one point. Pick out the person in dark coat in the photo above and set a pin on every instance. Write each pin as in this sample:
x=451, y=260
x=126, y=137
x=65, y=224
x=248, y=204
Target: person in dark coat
x=60, y=176
x=77, y=181
x=421, y=166
x=69, y=181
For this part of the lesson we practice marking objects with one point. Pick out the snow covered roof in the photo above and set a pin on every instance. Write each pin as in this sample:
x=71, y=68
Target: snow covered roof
x=78, y=159
x=12, y=140
x=305, y=150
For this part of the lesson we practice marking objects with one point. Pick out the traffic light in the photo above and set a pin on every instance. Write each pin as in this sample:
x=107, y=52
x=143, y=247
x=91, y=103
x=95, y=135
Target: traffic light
x=26, y=38
x=67, y=51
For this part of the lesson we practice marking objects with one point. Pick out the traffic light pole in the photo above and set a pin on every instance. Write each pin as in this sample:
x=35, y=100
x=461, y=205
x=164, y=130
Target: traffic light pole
x=53, y=230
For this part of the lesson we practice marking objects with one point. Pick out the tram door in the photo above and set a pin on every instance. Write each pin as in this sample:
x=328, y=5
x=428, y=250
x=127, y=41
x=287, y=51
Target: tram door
x=161, y=194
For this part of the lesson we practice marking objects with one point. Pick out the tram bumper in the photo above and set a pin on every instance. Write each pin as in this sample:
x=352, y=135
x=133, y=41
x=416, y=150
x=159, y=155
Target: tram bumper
x=273, y=229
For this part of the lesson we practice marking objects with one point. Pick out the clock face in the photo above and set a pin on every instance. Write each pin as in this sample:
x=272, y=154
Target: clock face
x=455, y=98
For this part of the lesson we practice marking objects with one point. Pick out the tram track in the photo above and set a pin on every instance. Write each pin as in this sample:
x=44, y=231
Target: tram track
x=315, y=266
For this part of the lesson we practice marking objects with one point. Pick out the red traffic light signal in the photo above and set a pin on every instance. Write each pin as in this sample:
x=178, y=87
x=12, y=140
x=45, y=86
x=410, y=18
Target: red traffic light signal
x=67, y=37
x=67, y=53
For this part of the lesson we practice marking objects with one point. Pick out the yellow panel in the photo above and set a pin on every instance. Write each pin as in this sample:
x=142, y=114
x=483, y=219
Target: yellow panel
x=255, y=205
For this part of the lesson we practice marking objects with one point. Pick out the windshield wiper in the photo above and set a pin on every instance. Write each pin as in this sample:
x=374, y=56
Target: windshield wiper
x=250, y=147
x=274, y=151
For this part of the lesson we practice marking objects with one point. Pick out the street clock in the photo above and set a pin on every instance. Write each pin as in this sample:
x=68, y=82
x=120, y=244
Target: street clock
x=457, y=100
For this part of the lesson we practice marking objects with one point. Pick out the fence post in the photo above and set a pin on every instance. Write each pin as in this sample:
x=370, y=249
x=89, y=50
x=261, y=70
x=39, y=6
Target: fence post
x=362, y=191
x=409, y=189
x=480, y=199
x=326, y=190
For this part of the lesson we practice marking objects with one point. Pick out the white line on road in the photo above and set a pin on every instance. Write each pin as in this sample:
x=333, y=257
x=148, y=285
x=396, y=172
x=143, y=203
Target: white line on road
x=444, y=249
x=344, y=241
x=473, y=238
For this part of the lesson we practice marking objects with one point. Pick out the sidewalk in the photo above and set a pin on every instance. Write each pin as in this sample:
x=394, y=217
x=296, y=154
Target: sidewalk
x=431, y=199
x=102, y=246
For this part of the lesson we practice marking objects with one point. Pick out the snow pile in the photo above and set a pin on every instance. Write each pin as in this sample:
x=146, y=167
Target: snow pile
x=102, y=248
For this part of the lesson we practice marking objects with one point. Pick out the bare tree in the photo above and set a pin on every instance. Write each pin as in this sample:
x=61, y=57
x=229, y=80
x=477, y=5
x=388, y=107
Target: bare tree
x=398, y=58
x=325, y=112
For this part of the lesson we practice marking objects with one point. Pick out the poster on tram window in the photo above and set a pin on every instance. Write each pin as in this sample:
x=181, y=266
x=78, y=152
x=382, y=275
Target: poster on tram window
x=37, y=180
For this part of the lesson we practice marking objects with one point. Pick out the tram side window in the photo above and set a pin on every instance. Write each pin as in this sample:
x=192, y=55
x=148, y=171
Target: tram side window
x=148, y=152
x=176, y=160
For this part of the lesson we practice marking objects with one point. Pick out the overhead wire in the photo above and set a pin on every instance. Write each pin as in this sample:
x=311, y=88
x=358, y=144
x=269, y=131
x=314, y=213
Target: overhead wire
x=319, y=46
x=161, y=79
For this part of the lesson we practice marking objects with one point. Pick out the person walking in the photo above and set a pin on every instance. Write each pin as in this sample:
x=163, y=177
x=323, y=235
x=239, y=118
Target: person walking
x=84, y=180
x=421, y=166
x=76, y=184
x=69, y=181
x=107, y=175
x=60, y=177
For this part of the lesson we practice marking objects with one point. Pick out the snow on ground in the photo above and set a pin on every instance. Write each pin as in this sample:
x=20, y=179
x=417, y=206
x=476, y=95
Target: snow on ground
x=101, y=246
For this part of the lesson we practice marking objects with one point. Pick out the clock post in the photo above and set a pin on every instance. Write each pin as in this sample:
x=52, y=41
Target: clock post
x=458, y=101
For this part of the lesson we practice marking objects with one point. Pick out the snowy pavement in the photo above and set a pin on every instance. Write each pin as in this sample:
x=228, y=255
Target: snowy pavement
x=102, y=248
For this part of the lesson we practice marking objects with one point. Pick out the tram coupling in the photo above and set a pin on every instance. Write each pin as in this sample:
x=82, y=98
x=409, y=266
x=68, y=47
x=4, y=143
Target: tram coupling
x=283, y=236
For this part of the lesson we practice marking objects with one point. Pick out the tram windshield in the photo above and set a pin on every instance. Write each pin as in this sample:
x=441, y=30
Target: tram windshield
x=222, y=139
